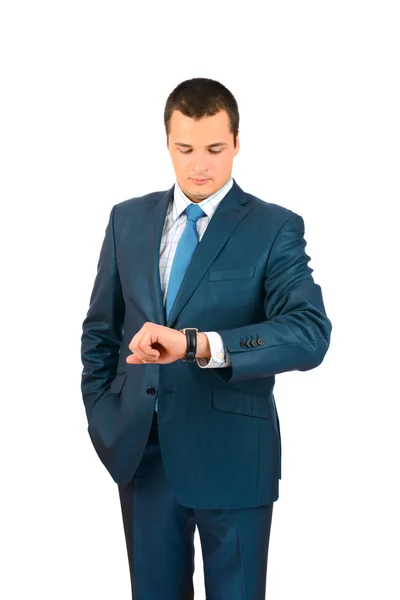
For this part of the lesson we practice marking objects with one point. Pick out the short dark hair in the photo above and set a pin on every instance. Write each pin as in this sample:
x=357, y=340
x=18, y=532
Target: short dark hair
x=200, y=97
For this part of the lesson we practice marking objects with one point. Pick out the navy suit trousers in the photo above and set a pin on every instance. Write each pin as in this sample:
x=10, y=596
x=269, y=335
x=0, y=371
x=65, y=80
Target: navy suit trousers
x=159, y=533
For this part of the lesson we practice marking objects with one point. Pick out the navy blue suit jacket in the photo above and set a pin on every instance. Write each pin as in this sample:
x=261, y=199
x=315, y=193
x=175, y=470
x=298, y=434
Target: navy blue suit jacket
x=248, y=280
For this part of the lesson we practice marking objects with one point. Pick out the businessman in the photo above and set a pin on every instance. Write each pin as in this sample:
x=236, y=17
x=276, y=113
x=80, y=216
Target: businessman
x=203, y=294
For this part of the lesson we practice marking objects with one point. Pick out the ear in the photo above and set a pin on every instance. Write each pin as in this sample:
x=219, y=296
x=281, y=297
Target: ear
x=237, y=144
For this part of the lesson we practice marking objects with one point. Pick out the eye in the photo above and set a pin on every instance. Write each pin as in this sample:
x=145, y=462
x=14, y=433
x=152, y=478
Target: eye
x=211, y=151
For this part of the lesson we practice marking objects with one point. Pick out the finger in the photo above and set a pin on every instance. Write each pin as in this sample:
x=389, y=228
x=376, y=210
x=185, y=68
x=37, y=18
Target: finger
x=143, y=356
x=134, y=359
x=141, y=346
x=133, y=344
x=147, y=350
x=137, y=349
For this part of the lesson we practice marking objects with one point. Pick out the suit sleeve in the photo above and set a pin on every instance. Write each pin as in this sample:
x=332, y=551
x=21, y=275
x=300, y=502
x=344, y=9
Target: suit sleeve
x=102, y=327
x=296, y=332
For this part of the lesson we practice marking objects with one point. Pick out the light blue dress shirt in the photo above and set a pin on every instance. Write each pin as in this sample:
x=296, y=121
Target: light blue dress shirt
x=175, y=223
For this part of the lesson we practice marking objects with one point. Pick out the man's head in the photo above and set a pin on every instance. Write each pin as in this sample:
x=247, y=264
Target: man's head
x=201, y=120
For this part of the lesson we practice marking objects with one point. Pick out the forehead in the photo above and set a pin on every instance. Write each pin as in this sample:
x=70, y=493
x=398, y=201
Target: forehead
x=204, y=128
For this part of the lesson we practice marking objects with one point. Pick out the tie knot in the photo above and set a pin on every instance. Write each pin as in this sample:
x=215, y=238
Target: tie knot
x=194, y=212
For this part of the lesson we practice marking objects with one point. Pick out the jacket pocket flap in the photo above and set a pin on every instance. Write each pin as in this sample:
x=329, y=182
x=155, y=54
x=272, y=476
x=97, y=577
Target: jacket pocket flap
x=117, y=383
x=244, y=403
x=238, y=273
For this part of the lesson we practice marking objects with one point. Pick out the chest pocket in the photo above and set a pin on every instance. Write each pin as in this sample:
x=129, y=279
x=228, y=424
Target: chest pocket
x=238, y=273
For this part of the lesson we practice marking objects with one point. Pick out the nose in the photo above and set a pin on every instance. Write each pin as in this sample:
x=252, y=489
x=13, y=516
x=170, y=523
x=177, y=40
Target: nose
x=200, y=165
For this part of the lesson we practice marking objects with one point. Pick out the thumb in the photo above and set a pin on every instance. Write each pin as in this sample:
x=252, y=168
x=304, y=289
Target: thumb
x=133, y=359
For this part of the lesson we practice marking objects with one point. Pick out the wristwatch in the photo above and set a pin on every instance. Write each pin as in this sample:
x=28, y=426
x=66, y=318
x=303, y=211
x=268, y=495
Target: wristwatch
x=191, y=339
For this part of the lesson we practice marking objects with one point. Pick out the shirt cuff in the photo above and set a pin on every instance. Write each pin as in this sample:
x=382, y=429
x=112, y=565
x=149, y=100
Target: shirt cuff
x=219, y=354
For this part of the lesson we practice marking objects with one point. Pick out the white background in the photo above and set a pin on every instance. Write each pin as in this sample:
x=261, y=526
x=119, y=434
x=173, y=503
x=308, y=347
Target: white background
x=84, y=86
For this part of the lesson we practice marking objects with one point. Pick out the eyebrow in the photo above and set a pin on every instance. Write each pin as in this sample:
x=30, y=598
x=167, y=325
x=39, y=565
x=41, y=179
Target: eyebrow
x=209, y=145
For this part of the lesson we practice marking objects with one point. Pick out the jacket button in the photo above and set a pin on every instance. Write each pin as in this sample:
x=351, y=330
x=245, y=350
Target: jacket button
x=151, y=391
x=260, y=341
x=243, y=344
x=254, y=343
x=248, y=343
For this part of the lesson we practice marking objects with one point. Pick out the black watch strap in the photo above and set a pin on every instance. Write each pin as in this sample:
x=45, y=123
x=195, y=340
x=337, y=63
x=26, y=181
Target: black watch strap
x=191, y=341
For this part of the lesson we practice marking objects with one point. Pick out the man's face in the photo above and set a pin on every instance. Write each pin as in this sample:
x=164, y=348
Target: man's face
x=201, y=150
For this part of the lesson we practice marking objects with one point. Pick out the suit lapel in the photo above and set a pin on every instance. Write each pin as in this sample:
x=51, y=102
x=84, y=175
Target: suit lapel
x=153, y=223
x=231, y=210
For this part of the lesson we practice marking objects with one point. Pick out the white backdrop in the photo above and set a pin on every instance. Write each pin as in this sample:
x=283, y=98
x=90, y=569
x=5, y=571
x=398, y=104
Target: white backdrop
x=84, y=86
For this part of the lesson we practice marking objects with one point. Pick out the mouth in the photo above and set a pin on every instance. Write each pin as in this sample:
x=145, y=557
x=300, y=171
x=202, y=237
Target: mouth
x=199, y=181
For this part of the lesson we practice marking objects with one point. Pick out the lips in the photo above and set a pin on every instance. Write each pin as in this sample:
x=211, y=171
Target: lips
x=199, y=180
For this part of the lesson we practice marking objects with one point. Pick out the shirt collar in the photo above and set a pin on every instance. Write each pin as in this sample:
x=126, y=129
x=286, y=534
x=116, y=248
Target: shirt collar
x=209, y=205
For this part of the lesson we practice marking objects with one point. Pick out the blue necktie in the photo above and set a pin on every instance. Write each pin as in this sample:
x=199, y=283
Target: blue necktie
x=186, y=246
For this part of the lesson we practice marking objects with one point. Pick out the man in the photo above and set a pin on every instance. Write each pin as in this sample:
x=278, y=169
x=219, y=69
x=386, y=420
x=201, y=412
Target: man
x=203, y=294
